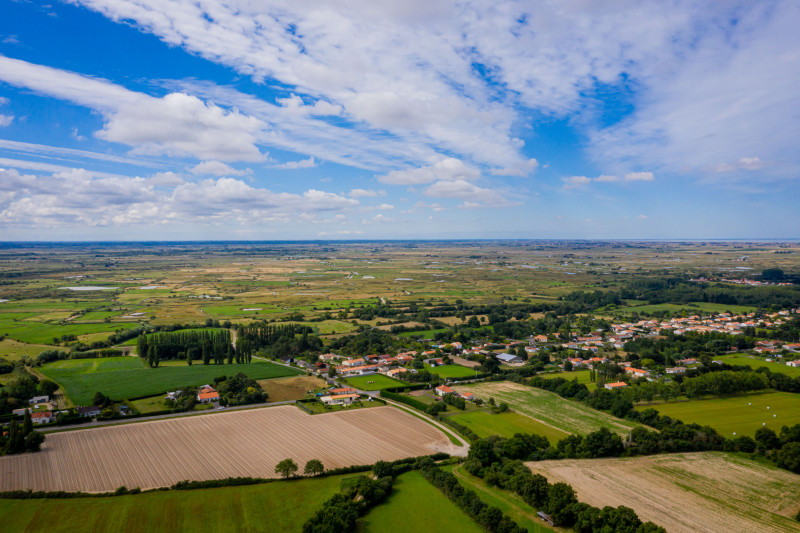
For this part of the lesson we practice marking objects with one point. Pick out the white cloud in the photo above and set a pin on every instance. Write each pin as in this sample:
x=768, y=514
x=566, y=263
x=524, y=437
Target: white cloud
x=296, y=105
x=642, y=217
x=177, y=124
x=574, y=182
x=443, y=170
x=529, y=167
x=165, y=179
x=6, y=120
x=385, y=206
x=217, y=168
x=362, y=193
x=465, y=191
x=292, y=165
x=639, y=176
x=744, y=163
x=605, y=178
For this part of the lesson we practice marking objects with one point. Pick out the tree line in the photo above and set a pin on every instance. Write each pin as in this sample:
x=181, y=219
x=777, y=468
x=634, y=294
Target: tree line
x=189, y=345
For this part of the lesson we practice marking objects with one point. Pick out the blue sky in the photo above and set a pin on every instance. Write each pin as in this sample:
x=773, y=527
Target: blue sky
x=357, y=119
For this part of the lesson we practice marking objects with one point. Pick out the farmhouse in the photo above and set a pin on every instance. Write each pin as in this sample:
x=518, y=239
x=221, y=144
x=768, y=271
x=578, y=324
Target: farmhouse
x=205, y=397
x=339, y=399
x=508, y=358
x=638, y=372
x=444, y=390
x=467, y=396
x=342, y=390
x=616, y=385
x=676, y=370
x=89, y=411
x=42, y=417
x=39, y=399
x=793, y=363
x=19, y=412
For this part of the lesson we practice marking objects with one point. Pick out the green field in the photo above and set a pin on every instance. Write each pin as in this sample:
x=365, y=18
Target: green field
x=549, y=408
x=450, y=371
x=693, y=308
x=374, y=382
x=506, y=425
x=581, y=375
x=416, y=506
x=510, y=503
x=280, y=506
x=128, y=377
x=423, y=334
x=40, y=333
x=755, y=362
x=740, y=414
x=14, y=350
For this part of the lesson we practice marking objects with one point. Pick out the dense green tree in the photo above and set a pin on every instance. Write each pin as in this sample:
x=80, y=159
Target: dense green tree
x=313, y=467
x=286, y=468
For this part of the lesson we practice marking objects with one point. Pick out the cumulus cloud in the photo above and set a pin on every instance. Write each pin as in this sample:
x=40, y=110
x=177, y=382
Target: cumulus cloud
x=296, y=105
x=217, y=168
x=443, y=170
x=573, y=182
x=525, y=170
x=292, y=165
x=6, y=120
x=363, y=193
x=744, y=163
x=639, y=176
x=466, y=191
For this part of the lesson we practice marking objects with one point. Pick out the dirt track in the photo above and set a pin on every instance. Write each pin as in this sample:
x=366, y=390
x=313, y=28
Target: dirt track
x=244, y=443
x=686, y=493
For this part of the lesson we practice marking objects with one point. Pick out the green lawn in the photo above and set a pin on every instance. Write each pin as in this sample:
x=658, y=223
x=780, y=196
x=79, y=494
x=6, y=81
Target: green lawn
x=40, y=333
x=581, y=375
x=755, y=362
x=280, y=506
x=150, y=404
x=416, y=506
x=374, y=382
x=740, y=414
x=508, y=502
x=450, y=371
x=14, y=350
x=128, y=377
x=506, y=425
x=547, y=407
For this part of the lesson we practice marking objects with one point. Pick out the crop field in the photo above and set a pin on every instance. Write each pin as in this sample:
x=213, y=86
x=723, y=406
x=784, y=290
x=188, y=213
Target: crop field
x=506, y=425
x=742, y=415
x=548, y=408
x=291, y=388
x=450, y=371
x=236, y=443
x=374, y=382
x=509, y=502
x=704, y=492
x=756, y=362
x=416, y=505
x=284, y=505
x=693, y=308
x=127, y=377
x=33, y=332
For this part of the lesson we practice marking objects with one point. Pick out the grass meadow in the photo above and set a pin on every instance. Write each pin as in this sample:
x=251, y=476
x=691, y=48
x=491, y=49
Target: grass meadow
x=756, y=362
x=450, y=371
x=506, y=425
x=374, y=382
x=278, y=506
x=416, y=505
x=549, y=408
x=740, y=414
x=581, y=375
x=128, y=377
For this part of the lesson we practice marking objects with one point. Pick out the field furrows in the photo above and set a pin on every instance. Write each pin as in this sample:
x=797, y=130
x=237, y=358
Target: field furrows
x=243, y=443
x=686, y=493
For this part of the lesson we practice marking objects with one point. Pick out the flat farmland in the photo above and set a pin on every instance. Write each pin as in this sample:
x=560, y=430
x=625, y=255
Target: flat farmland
x=128, y=377
x=506, y=425
x=756, y=362
x=450, y=371
x=291, y=388
x=740, y=414
x=374, y=382
x=687, y=493
x=549, y=408
x=231, y=444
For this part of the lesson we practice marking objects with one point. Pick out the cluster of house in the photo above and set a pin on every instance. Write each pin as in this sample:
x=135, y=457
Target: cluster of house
x=339, y=396
x=43, y=410
x=444, y=390
x=742, y=281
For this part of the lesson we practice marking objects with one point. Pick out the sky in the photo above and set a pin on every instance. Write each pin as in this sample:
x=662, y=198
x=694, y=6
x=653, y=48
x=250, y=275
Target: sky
x=368, y=119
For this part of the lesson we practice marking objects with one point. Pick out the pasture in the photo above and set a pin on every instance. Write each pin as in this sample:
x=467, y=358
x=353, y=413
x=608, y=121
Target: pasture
x=14, y=350
x=756, y=362
x=703, y=492
x=740, y=414
x=581, y=375
x=548, y=408
x=506, y=425
x=284, y=505
x=242, y=443
x=450, y=371
x=374, y=382
x=416, y=505
x=128, y=377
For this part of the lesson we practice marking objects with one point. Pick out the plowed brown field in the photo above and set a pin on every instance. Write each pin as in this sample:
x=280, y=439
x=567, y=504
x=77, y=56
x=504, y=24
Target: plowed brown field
x=706, y=492
x=237, y=443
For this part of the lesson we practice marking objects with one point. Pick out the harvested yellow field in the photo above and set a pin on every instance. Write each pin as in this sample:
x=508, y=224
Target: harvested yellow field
x=291, y=388
x=686, y=493
x=233, y=444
